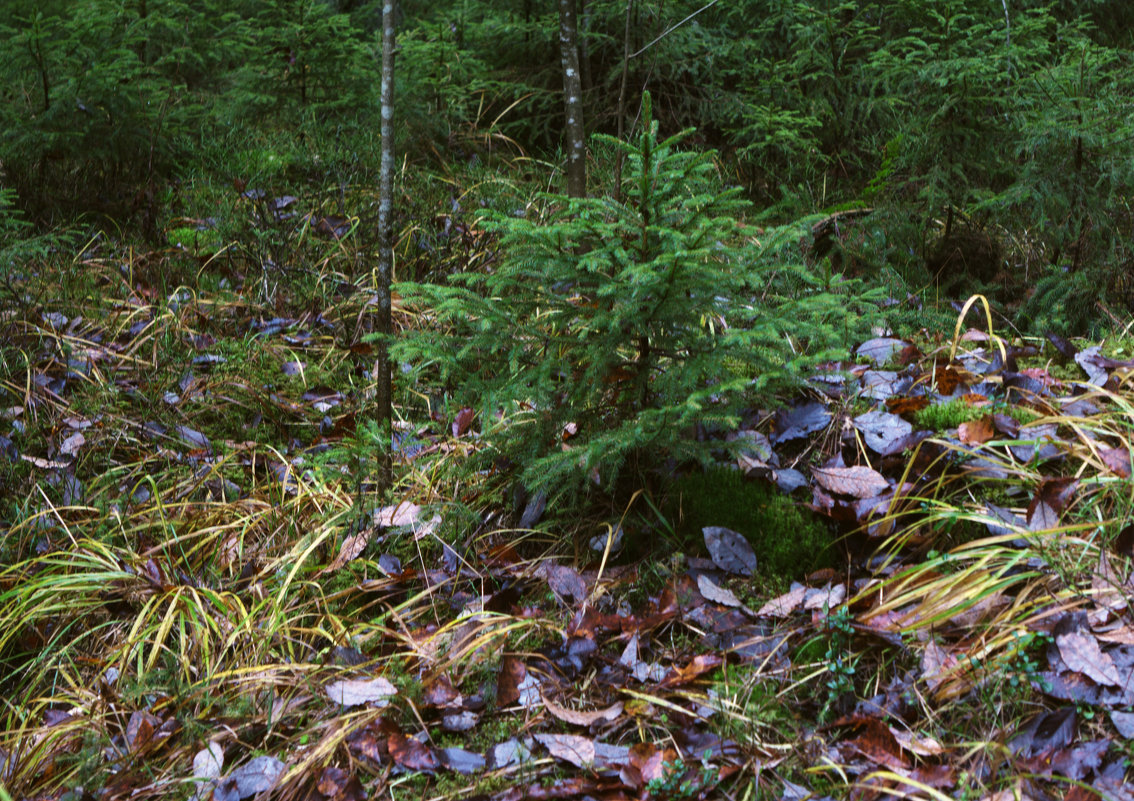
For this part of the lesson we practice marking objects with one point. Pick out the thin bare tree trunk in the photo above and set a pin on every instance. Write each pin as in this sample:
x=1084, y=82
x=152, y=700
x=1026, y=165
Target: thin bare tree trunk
x=573, y=100
x=622, y=102
x=385, y=240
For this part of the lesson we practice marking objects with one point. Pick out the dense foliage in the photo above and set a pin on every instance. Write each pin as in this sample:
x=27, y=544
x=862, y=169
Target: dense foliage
x=988, y=139
x=544, y=550
x=612, y=329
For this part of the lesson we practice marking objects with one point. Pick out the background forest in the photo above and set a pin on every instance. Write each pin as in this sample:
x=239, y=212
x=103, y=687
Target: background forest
x=226, y=569
x=990, y=139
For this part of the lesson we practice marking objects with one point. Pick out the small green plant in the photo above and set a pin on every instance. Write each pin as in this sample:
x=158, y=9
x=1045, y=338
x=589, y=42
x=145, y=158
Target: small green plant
x=680, y=780
x=841, y=664
x=1025, y=669
x=607, y=329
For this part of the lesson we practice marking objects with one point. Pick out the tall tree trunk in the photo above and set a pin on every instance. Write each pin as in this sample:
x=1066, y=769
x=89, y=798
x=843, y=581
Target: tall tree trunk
x=573, y=100
x=621, y=114
x=385, y=240
x=584, y=24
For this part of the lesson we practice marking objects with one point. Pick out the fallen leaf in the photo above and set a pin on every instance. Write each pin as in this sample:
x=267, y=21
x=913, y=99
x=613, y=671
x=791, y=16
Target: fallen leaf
x=256, y=776
x=1083, y=654
x=702, y=663
x=463, y=421
x=785, y=604
x=461, y=761
x=858, y=482
x=579, y=751
x=351, y=548
x=510, y=752
x=1117, y=461
x=976, y=432
x=355, y=692
x=1048, y=731
x=936, y=665
x=883, y=432
x=916, y=744
x=71, y=445
x=140, y=730
x=207, y=766
x=1123, y=723
x=566, y=582
x=730, y=550
x=412, y=754
x=515, y=685
x=577, y=718
x=874, y=741
x=441, y=693
x=336, y=783
x=825, y=598
x=715, y=593
x=880, y=349
x=1051, y=498
x=906, y=406
x=799, y=421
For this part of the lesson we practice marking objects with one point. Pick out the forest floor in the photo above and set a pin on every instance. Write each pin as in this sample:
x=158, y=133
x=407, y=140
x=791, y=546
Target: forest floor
x=203, y=593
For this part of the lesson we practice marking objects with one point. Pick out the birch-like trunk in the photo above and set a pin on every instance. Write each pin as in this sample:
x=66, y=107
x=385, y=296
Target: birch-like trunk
x=385, y=240
x=573, y=100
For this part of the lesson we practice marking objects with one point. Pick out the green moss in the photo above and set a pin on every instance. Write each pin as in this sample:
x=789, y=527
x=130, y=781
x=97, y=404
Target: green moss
x=788, y=539
x=946, y=416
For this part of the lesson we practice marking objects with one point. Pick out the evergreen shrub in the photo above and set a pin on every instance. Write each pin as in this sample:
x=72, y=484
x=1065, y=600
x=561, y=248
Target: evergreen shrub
x=603, y=334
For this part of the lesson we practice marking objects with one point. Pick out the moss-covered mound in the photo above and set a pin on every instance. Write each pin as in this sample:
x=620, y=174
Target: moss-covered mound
x=789, y=540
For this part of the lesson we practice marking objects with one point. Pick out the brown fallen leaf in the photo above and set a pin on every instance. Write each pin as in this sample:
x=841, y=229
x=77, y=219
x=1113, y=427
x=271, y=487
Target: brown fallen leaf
x=716, y=593
x=783, y=605
x=355, y=692
x=858, y=482
x=976, y=432
x=578, y=718
x=1083, y=654
x=702, y=663
x=412, y=754
x=579, y=751
x=936, y=665
x=1117, y=461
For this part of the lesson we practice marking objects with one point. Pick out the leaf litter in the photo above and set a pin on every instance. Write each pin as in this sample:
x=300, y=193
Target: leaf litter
x=308, y=659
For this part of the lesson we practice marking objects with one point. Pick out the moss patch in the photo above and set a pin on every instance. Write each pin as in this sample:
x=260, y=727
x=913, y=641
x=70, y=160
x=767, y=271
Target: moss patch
x=789, y=540
x=949, y=415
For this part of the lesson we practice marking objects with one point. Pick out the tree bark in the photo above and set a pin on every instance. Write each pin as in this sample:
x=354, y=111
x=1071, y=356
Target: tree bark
x=621, y=114
x=573, y=100
x=385, y=241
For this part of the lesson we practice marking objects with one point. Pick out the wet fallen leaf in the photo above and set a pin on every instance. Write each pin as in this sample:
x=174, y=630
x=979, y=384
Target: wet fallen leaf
x=702, y=663
x=884, y=433
x=412, y=754
x=579, y=751
x=858, y=482
x=730, y=550
x=785, y=604
x=566, y=582
x=715, y=593
x=463, y=421
x=256, y=776
x=976, y=432
x=1082, y=654
x=337, y=784
x=459, y=760
x=71, y=445
x=207, y=766
x=578, y=718
x=355, y=692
